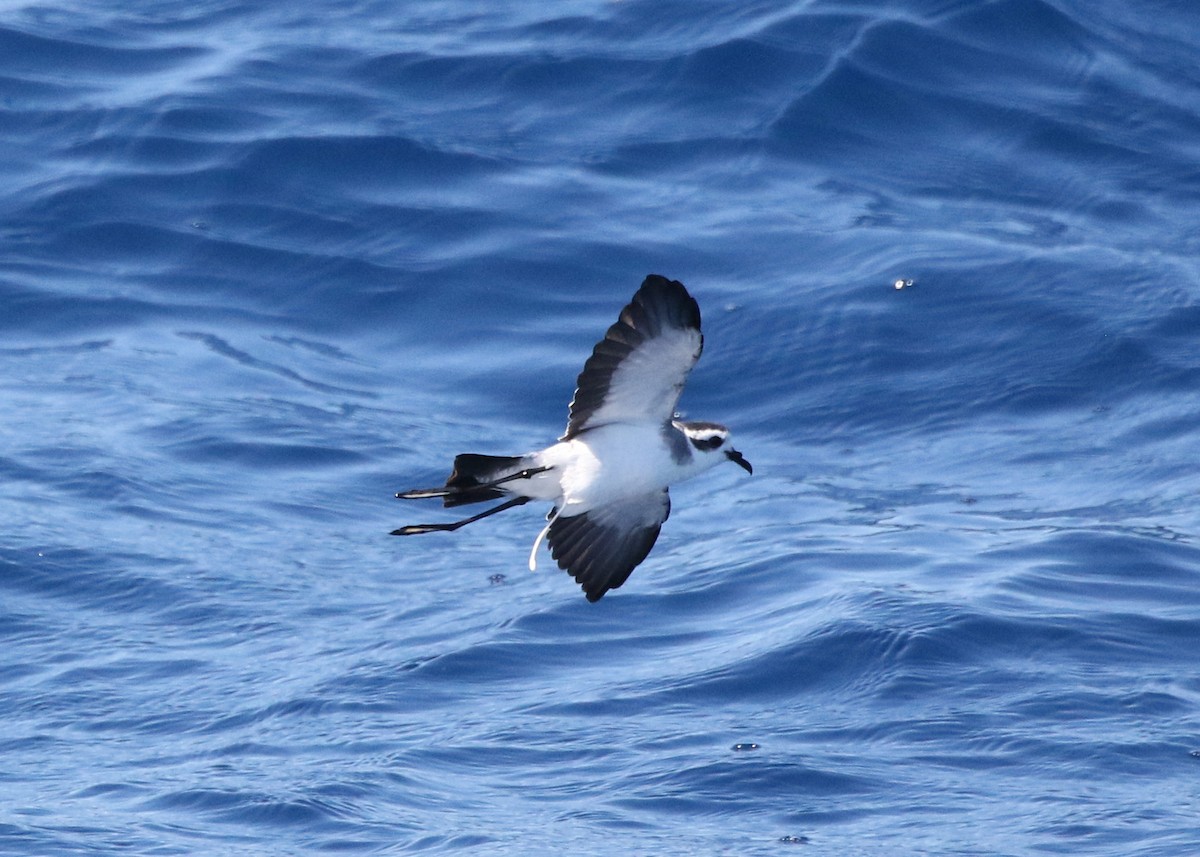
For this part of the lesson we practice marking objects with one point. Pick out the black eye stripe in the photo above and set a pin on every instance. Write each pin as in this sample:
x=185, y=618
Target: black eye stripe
x=708, y=442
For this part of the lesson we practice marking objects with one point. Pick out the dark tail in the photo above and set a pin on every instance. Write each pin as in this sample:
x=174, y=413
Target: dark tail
x=475, y=478
x=471, y=470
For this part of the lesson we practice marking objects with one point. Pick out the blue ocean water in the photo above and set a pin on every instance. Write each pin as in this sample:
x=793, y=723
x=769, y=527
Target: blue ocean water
x=265, y=265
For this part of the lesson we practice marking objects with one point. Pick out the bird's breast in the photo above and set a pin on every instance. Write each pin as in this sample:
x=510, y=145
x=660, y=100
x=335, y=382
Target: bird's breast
x=610, y=463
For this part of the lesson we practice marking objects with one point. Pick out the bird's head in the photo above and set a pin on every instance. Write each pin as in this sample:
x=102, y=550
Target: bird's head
x=710, y=443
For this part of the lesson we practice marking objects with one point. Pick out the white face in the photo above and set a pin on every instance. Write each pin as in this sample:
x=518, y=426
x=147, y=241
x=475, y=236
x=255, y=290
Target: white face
x=711, y=444
x=707, y=440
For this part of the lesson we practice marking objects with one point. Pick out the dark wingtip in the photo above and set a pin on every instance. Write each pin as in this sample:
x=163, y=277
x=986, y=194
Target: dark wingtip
x=685, y=312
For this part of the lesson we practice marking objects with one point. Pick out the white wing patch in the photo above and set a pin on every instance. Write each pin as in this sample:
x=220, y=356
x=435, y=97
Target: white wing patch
x=637, y=372
x=646, y=385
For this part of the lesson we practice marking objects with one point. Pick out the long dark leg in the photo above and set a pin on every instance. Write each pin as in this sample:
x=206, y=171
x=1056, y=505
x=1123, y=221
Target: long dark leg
x=423, y=493
x=414, y=529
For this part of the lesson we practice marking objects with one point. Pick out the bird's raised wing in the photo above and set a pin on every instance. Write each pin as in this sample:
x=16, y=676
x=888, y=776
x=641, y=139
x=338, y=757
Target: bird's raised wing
x=602, y=546
x=637, y=371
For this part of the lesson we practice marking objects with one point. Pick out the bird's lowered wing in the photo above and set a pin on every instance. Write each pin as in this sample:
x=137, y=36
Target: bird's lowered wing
x=602, y=546
x=637, y=371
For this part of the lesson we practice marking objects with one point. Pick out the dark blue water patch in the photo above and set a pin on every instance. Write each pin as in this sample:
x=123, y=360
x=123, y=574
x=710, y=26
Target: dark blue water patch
x=1115, y=568
x=132, y=669
x=90, y=580
x=732, y=161
x=737, y=787
x=233, y=806
x=304, y=166
x=64, y=349
x=198, y=122
x=1038, y=27
x=149, y=154
x=965, y=102
x=323, y=349
x=22, y=839
x=252, y=749
x=581, y=78
x=856, y=107
x=109, y=242
x=1157, y=430
x=502, y=663
x=265, y=455
x=422, y=267
x=407, y=233
x=451, y=843
x=24, y=98
x=40, y=742
x=467, y=81
x=105, y=486
x=88, y=475
x=384, y=688
x=106, y=789
x=17, y=471
x=956, y=351
x=26, y=53
x=756, y=68
x=243, y=358
x=1112, y=706
x=142, y=196
x=1179, y=322
x=55, y=311
x=304, y=707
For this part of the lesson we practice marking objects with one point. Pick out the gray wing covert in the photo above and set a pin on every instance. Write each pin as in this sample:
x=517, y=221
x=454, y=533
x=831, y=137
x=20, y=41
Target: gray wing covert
x=637, y=371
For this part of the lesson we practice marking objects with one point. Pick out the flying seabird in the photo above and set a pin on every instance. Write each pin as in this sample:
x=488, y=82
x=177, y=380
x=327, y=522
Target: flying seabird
x=608, y=475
